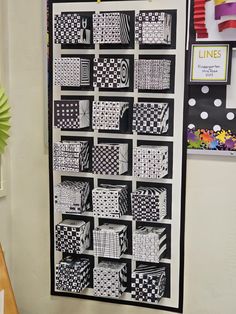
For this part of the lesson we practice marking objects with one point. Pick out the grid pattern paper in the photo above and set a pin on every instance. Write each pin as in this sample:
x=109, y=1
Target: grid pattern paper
x=110, y=201
x=110, y=279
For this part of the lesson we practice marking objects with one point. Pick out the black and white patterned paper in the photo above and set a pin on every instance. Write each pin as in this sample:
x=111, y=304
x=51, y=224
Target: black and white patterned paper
x=72, y=274
x=152, y=74
x=111, y=28
x=107, y=115
x=71, y=156
x=71, y=114
x=110, y=240
x=110, y=158
x=110, y=279
x=71, y=72
x=72, y=236
x=110, y=72
x=71, y=28
x=148, y=283
x=149, y=244
x=149, y=204
x=110, y=201
x=153, y=28
x=150, y=161
x=151, y=118
x=71, y=197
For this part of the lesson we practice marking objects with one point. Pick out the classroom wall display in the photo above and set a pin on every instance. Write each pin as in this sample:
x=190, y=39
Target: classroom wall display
x=117, y=151
x=211, y=109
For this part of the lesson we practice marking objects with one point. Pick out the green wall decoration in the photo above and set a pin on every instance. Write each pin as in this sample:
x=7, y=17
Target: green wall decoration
x=4, y=120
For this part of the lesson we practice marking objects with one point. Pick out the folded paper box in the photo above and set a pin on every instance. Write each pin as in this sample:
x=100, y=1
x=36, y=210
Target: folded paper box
x=110, y=158
x=149, y=204
x=71, y=114
x=71, y=197
x=148, y=283
x=72, y=236
x=149, y=244
x=150, y=161
x=71, y=156
x=72, y=274
x=110, y=279
x=110, y=240
x=110, y=200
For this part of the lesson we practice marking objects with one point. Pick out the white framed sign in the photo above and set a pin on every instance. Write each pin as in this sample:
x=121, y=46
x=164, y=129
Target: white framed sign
x=210, y=64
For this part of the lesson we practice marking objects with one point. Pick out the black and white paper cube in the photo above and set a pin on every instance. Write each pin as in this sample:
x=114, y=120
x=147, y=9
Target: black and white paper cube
x=110, y=279
x=152, y=74
x=71, y=197
x=110, y=201
x=71, y=156
x=153, y=28
x=72, y=274
x=71, y=114
x=151, y=118
x=111, y=28
x=148, y=283
x=150, y=161
x=72, y=236
x=110, y=158
x=110, y=72
x=72, y=72
x=109, y=115
x=149, y=244
x=149, y=204
x=110, y=240
x=71, y=28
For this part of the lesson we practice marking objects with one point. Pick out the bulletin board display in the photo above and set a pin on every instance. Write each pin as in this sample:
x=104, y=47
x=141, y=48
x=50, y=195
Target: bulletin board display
x=117, y=151
x=211, y=109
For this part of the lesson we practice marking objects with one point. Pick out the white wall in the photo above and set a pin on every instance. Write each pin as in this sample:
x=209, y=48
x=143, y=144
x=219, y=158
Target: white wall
x=210, y=267
x=5, y=208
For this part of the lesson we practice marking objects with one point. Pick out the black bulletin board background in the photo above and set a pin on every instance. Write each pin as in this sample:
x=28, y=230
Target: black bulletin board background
x=178, y=309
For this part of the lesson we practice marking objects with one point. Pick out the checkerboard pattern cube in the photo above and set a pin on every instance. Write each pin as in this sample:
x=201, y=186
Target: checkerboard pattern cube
x=71, y=114
x=151, y=118
x=150, y=161
x=71, y=28
x=71, y=156
x=71, y=197
x=151, y=74
x=149, y=244
x=153, y=28
x=110, y=279
x=108, y=115
x=149, y=204
x=72, y=274
x=111, y=72
x=110, y=201
x=148, y=283
x=111, y=28
x=110, y=158
x=110, y=240
x=72, y=236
